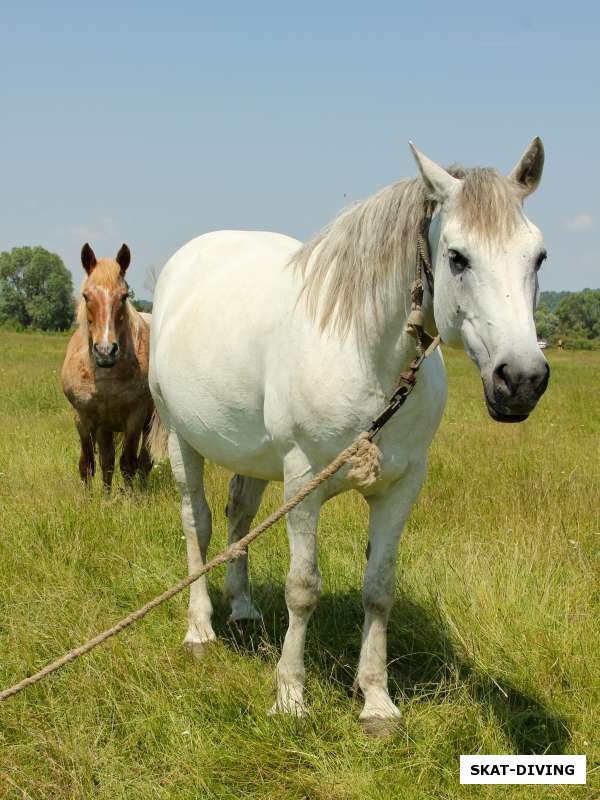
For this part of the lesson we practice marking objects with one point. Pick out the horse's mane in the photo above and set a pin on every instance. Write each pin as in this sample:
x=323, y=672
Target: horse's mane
x=364, y=259
x=107, y=273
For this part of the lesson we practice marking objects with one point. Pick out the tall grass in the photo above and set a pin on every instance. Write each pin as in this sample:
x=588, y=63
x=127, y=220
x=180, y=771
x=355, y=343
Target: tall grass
x=493, y=638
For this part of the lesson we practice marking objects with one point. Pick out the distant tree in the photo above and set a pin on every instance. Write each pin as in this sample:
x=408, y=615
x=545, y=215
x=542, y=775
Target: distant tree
x=143, y=305
x=546, y=322
x=36, y=289
x=579, y=313
x=552, y=299
x=138, y=304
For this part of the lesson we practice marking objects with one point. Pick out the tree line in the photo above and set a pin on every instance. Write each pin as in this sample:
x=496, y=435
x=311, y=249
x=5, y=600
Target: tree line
x=571, y=319
x=36, y=291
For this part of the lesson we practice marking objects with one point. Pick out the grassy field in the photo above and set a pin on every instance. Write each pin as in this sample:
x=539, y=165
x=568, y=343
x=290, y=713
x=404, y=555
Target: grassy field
x=493, y=638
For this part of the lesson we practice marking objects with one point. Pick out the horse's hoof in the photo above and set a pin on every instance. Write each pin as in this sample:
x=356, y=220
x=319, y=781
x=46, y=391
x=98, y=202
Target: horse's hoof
x=198, y=648
x=292, y=709
x=246, y=614
x=379, y=726
x=380, y=717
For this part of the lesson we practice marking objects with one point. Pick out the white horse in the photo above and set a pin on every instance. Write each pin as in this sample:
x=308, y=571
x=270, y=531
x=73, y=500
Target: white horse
x=269, y=357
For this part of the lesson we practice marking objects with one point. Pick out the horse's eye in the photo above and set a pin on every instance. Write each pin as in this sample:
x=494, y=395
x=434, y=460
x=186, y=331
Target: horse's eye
x=540, y=259
x=458, y=262
x=124, y=297
x=85, y=296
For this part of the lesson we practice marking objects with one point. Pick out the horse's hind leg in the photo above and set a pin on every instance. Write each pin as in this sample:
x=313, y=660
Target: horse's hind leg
x=106, y=448
x=244, y=499
x=188, y=469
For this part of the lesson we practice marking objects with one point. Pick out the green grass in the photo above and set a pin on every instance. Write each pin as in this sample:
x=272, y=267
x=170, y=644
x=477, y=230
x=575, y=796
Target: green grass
x=493, y=638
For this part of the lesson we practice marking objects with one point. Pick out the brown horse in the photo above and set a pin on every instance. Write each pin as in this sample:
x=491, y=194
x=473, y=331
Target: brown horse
x=105, y=372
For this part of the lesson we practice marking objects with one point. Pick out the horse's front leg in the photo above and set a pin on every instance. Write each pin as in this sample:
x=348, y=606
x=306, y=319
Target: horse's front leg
x=302, y=588
x=129, y=456
x=106, y=447
x=144, y=458
x=87, y=461
x=389, y=512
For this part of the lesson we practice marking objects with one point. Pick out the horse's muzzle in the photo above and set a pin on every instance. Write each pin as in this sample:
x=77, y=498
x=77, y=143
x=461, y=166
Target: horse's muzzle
x=514, y=391
x=105, y=355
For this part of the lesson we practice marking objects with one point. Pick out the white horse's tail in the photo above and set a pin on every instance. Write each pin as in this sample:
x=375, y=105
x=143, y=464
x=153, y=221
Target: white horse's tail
x=158, y=439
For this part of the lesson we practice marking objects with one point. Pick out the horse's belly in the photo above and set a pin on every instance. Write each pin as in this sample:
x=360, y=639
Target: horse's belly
x=232, y=434
x=114, y=412
x=215, y=397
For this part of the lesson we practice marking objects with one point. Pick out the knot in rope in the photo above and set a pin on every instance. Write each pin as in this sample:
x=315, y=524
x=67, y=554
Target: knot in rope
x=366, y=462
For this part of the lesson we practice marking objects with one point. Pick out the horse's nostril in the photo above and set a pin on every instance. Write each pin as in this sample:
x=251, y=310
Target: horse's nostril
x=501, y=378
x=105, y=351
x=544, y=378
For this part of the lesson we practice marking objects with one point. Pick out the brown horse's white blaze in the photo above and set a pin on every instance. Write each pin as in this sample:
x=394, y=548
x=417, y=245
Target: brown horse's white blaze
x=105, y=305
x=105, y=372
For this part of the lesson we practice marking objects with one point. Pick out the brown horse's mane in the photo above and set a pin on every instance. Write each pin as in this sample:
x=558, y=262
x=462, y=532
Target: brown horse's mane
x=107, y=273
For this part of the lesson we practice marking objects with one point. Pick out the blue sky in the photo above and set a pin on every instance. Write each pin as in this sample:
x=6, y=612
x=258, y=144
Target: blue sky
x=152, y=124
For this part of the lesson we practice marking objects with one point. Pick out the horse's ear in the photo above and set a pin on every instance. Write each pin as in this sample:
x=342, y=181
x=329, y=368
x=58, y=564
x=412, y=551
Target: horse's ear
x=88, y=258
x=123, y=258
x=439, y=183
x=528, y=172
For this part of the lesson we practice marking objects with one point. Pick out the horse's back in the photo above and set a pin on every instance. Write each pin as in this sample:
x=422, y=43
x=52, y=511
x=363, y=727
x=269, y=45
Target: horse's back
x=219, y=263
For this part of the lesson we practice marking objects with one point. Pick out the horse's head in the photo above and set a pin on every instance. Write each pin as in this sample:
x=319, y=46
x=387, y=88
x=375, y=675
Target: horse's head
x=105, y=293
x=486, y=255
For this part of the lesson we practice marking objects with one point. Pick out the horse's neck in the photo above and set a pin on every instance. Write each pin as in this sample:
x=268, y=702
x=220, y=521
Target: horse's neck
x=131, y=332
x=389, y=347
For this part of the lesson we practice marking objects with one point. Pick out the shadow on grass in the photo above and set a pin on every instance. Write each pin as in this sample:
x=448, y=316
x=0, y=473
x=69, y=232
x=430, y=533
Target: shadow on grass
x=426, y=664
